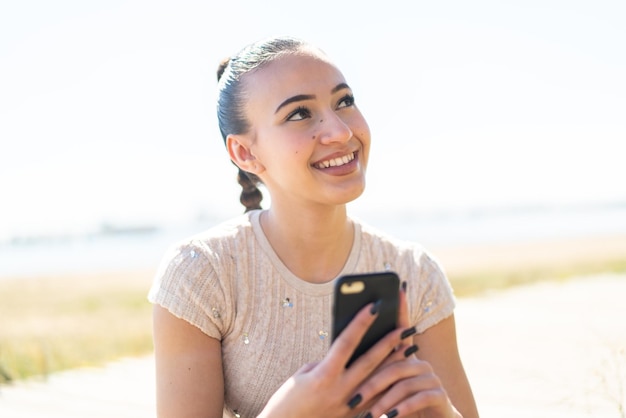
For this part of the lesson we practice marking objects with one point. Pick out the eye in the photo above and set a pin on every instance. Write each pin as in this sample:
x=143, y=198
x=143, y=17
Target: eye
x=300, y=113
x=346, y=101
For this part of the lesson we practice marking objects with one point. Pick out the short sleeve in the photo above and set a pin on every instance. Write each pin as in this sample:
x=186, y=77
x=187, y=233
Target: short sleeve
x=433, y=294
x=188, y=286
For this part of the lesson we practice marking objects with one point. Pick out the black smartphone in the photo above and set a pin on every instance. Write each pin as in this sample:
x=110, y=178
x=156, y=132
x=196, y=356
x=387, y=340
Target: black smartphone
x=353, y=292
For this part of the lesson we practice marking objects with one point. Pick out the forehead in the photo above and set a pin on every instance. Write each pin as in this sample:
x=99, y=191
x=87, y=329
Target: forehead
x=292, y=74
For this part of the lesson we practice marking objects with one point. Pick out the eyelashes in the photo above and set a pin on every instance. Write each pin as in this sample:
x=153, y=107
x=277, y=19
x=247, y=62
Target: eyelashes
x=346, y=101
x=302, y=112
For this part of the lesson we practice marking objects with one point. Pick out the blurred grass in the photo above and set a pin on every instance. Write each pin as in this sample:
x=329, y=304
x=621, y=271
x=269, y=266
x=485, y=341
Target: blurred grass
x=494, y=279
x=57, y=323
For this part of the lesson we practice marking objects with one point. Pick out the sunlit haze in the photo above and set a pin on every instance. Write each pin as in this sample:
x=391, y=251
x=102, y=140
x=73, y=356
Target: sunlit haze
x=107, y=108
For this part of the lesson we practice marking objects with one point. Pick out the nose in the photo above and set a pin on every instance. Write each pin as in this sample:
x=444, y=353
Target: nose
x=333, y=129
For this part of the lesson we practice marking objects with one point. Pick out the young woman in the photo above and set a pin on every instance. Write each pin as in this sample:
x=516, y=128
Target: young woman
x=243, y=311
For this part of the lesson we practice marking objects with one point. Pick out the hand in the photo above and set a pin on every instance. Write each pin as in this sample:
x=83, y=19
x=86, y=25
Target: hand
x=413, y=390
x=408, y=385
x=328, y=388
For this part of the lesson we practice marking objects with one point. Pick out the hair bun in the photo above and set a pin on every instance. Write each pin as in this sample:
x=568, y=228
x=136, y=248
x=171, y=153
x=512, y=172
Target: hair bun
x=222, y=67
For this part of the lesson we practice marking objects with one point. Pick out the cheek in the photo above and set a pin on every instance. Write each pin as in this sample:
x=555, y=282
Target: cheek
x=361, y=128
x=363, y=133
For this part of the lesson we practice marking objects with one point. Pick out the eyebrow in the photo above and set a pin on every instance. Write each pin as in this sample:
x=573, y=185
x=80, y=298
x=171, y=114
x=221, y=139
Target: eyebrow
x=340, y=86
x=302, y=97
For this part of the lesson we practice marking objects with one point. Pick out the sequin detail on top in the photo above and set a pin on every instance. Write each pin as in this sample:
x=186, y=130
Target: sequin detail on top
x=387, y=266
x=193, y=254
x=192, y=287
x=246, y=340
x=287, y=303
x=236, y=414
x=322, y=335
x=428, y=305
x=216, y=313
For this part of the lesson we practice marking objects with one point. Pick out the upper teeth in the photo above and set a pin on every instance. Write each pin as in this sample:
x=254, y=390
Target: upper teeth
x=335, y=162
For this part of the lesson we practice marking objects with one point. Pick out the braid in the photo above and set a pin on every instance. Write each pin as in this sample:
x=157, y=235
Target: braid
x=251, y=196
x=232, y=96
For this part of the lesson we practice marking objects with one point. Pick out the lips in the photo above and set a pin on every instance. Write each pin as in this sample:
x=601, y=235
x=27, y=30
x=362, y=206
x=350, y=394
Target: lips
x=335, y=162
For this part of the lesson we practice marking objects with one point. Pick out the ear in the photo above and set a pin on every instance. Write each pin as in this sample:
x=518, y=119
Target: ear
x=238, y=147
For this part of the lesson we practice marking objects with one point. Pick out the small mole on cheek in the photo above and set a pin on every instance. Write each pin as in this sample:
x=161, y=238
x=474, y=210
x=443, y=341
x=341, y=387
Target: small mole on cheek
x=321, y=120
x=313, y=137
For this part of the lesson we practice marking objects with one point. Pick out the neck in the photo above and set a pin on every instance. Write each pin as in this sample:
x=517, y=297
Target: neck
x=314, y=243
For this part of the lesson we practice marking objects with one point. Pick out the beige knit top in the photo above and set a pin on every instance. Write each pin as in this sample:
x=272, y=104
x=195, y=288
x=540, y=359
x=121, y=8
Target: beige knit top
x=229, y=282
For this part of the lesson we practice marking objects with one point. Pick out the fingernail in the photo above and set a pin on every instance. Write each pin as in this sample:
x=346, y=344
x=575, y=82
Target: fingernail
x=375, y=307
x=392, y=414
x=411, y=350
x=356, y=399
x=407, y=333
x=404, y=286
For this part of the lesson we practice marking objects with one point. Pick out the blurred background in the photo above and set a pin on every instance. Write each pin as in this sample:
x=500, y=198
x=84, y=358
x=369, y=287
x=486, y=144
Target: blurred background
x=498, y=140
x=491, y=122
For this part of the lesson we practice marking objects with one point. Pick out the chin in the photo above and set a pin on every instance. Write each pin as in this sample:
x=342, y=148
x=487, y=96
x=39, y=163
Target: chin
x=351, y=194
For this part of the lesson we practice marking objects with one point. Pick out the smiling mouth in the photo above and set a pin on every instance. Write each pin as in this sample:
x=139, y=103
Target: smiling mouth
x=336, y=162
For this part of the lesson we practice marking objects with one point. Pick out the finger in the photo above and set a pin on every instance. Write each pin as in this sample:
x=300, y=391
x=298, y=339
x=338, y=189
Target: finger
x=306, y=368
x=403, y=308
x=403, y=348
x=369, y=394
x=413, y=393
x=389, y=375
x=379, y=358
x=344, y=345
x=406, y=349
x=435, y=400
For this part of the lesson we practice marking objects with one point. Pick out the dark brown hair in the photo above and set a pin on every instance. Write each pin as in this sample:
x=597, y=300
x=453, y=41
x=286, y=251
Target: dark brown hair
x=231, y=97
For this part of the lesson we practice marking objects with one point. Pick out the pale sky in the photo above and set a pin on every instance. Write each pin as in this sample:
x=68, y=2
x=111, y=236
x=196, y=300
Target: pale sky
x=107, y=107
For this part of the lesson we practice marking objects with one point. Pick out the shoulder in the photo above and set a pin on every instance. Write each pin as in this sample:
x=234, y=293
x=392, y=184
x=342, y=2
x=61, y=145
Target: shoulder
x=206, y=255
x=431, y=297
x=398, y=253
x=215, y=242
x=194, y=279
x=229, y=231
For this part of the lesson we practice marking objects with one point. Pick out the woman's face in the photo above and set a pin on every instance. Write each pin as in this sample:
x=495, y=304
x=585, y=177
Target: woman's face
x=307, y=136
